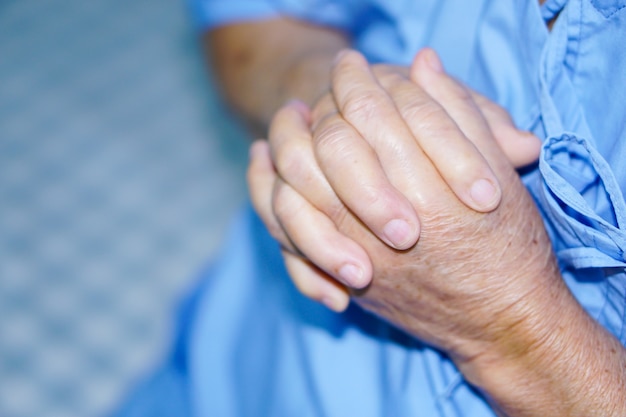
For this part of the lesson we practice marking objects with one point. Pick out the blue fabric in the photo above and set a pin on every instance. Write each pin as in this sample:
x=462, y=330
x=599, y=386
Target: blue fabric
x=255, y=347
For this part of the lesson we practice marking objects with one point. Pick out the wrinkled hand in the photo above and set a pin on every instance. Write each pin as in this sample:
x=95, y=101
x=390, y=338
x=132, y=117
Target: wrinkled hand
x=367, y=112
x=473, y=278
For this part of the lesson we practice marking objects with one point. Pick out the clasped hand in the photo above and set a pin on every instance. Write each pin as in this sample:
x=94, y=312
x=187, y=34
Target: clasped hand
x=402, y=184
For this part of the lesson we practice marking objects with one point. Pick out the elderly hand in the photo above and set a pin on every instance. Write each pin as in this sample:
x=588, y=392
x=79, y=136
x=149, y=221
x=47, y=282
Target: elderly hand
x=482, y=287
x=355, y=130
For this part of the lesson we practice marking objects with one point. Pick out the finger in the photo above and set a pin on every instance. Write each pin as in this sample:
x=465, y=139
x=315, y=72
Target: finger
x=315, y=283
x=366, y=192
x=317, y=238
x=521, y=147
x=347, y=260
x=355, y=173
x=261, y=177
x=326, y=104
x=292, y=155
x=373, y=111
x=299, y=207
x=427, y=71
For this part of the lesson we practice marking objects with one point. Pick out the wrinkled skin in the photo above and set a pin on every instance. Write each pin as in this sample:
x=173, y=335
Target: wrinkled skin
x=483, y=286
x=472, y=277
x=358, y=120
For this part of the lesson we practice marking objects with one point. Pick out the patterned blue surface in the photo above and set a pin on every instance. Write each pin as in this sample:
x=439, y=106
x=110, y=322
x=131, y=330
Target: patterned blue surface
x=118, y=171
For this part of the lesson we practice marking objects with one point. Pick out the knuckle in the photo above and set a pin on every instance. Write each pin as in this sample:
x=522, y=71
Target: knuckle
x=362, y=105
x=375, y=201
x=329, y=138
x=464, y=169
x=426, y=115
x=292, y=161
x=372, y=197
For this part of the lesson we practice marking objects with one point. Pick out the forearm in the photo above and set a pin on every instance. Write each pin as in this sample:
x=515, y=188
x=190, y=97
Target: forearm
x=261, y=65
x=558, y=361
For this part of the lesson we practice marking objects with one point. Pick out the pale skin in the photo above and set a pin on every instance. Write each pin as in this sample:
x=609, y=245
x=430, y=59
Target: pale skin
x=299, y=66
x=525, y=337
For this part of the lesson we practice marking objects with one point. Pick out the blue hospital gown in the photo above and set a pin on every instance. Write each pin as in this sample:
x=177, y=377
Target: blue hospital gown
x=251, y=345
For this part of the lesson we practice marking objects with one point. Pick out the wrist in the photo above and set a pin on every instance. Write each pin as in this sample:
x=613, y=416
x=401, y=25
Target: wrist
x=553, y=360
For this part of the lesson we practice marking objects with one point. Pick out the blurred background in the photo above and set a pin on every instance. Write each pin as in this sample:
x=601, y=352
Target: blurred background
x=119, y=171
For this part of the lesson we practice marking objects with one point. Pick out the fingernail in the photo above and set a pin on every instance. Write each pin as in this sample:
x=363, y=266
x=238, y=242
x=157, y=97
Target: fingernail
x=399, y=233
x=484, y=193
x=352, y=275
x=433, y=61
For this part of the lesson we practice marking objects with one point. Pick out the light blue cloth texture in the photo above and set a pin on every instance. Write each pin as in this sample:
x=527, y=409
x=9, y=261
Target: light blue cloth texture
x=252, y=346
